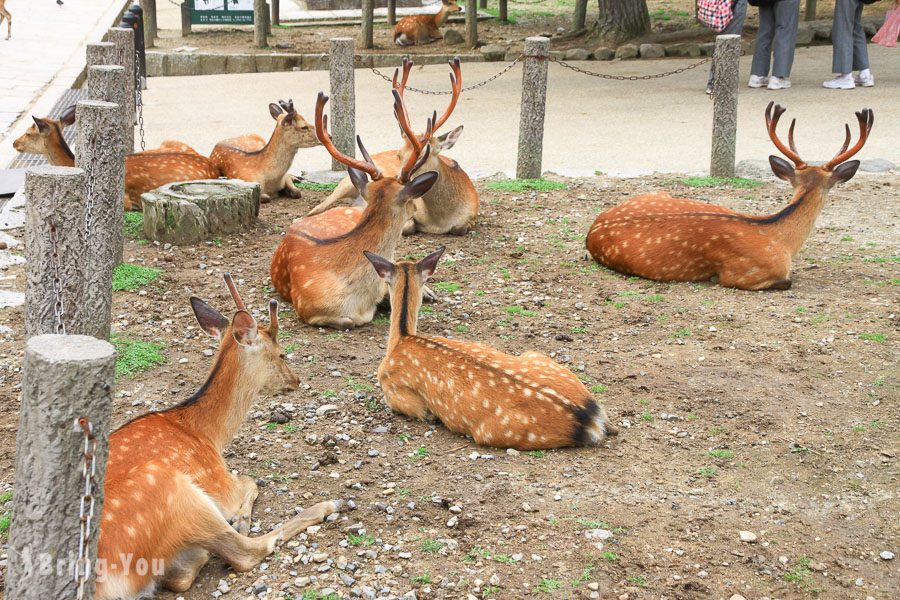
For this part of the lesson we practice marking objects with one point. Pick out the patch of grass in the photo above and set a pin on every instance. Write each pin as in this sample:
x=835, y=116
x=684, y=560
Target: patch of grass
x=317, y=595
x=404, y=436
x=802, y=576
x=135, y=356
x=366, y=539
x=329, y=394
x=536, y=453
x=312, y=186
x=873, y=337
x=654, y=298
x=609, y=556
x=423, y=579
x=290, y=348
x=489, y=590
x=381, y=320
x=461, y=328
x=545, y=586
x=505, y=559
x=740, y=183
x=587, y=574
x=432, y=546
x=708, y=472
x=523, y=185
x=6, y=496
x=683, y=333
x=599, y=388
x=721, y=453
x=446, y=286
x=518, y=310
x=579, y=330
x=847, y=238
x=130, y=277
x=592, y=524
x=646, y=416
x=133, y=227
x=476, y=553
x=638, y=580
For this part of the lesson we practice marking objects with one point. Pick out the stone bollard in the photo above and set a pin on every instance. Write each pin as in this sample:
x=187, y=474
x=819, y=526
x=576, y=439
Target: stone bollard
x=125, y=55
x=276, y=13
x=100, y=53
x=368, y=24
x=471, y=24
x=99, y=151
x=343, y=99
x=107, y=83
x=66, y=378
x=259, y=24
x=54, y=251
x=149, y=7
x=534, y=104
x=190, y=212
x=725, y=98
x=185, y=19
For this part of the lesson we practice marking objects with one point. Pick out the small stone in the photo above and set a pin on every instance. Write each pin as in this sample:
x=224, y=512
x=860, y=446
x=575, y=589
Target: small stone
x=493, y=52
x=598, y=534
x=652, y=50
x=325, y=409
x=405, y=555
x=528, y=508
x=603, y=53
x=223, y=586
x=736, y=597
x=373, y=453
x=319, y=557
x=279, y=417
x=859, y=582
x=452, y=521
x=627, y=52
x=347, y=580
x=453, y=37
x=747, y=536
x=494, y=580
x=886, y=555
x=577, y=54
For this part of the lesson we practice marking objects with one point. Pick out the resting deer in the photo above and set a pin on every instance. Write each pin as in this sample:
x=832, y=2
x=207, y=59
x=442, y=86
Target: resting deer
x=672, y=239
x=173, y=161
x=526, y=402
x=319, y=264
x=251, y=158
x=451, y=206
x=5, y=14
x=170, y=497
x=424, y=29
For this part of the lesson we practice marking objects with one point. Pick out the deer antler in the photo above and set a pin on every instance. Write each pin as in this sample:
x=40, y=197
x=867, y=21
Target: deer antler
x=418, y=156
x=234, y=293
x=273, y=318
x=287, y=106
x=366, y=166
x=456, y=87
x=407, y=67
x=773, y=114
x=866, y=119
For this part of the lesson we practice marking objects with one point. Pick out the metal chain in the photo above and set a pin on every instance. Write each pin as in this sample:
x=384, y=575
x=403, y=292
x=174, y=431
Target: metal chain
x=59, y=309
x=139, y=96
x=86, y=510
x=89, y=204
x=465, y=89
x=628, y=77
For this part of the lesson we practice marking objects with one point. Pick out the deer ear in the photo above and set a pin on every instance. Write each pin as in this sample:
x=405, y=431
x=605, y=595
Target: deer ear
x=243, y=328
x=275, y=110
x=844, y=172
x=782, y=168
x=418, y=187
x=209, y=318
x=448, y=140
x=42, y=125
x=383, y=266
x=68, y=116
x=360, y=180
x=428, y=264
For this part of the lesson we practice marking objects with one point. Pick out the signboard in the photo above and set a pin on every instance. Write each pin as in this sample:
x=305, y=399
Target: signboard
x=222, y=12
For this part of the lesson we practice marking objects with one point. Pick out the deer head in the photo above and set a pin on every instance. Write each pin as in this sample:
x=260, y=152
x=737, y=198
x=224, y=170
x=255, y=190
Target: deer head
x=297, y=132
x=838, y=170
x=45, y=136
x=450, y=6
x=245, y=346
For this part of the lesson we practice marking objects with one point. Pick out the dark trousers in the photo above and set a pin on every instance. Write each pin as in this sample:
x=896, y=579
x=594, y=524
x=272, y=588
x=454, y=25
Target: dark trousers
x=848, y=38
x=777, y=31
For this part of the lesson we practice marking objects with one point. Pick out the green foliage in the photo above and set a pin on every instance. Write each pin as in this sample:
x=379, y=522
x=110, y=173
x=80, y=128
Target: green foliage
x=709, y=182
x=536, y=453
x=609, y=555
x=312, y=186
x=682, y=333
x=523, y=185
x=366, y=539
x=721, y=453
x=133, y=227
x=545, y=586
x=599, y=388
x=446, y=286
x=708, y=472
x=873, y=337
x=646, y=416
x=432, y=546
x=518, y=310
x=638, y=580
x=130, y=277
x=135, y=356
x=424, y=579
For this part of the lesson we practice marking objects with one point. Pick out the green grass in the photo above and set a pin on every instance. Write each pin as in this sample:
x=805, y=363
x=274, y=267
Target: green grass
x=134, y=225
x=536, y=453
x=545, y=586
x=6, y=496
x=488, y=590
x=317, y=595
x=587, y=574
x=873, y=337
x=424, y=579
x=130, y=277
x=708, y=472
x=518, y=310
x=682, y=333
x=315, y=187
x=709, y=182
x=638, y=580
x=802, y=576
x=135, y=356
x=446, y=286
x=646, y=416
x=599, y=388
x=721, y=453
x=609, y=556
x=667, y=14
x=5, y=515
x=524, y=185
x=592, y=524
x=432, y=546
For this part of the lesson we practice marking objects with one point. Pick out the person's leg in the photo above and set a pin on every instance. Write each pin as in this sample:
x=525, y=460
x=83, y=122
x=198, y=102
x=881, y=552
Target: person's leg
x=762, y=55
x=842, y=35
x=860, y=44
x=787, y=17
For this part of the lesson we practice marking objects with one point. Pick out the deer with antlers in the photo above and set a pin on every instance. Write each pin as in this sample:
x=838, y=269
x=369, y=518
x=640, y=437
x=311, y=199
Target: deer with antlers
x=526, y=402
x=672, y=239
x=252, y=158
x=424, y=29
x=173, y=161
x=319, y=264
x=452, y=204
x=170, y=497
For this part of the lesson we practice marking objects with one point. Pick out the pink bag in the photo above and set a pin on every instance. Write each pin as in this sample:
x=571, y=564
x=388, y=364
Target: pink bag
x=715, y=14
x=887, y=35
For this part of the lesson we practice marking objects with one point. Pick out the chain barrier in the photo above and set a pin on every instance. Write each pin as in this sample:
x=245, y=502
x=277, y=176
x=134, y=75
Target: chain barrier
x=139, y=96
x=58, y=307
x=86, y=510
x=474, y=86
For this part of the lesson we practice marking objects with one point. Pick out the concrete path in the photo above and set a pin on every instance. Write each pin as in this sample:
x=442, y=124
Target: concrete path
x=617, y=127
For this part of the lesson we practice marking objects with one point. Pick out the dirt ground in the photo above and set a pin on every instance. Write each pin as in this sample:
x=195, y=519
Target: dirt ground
x=772, y=413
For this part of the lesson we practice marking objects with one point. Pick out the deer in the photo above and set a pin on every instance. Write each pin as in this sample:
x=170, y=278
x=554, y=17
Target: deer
x=173, y=161
x=452, y=204
x=663, y=238
x=170, y=497
x=526, y=402
x=5, y=14
x=318, y=265
x=424, y=29
x=252, y=158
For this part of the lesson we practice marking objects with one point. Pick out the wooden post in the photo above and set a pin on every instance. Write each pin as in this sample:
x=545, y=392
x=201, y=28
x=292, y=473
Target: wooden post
x=124, y=41
x=100, y=53
x=534, y=101
x=368, y=23
x=482, y=3
x=100, y=154
x=149, y=7
x=107, y=82
x=65, y=378
x=501, y=11
x=343, y=99
x=392, y=12
x=471, y=24
x=259, y=24
x=54, y=250
x=185, y=19
x=810, y=11
x=580, y=14
x=725, y=97
x=276, y=12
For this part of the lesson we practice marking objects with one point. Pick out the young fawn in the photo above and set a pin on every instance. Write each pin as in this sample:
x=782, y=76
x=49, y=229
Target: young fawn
x=319, y=264
x=5, y=14
x=527, y=402
x=170, y=497
x=451, y=205
x=423, y=29
x=144, y=171
x=251, y=158
x=672, y=239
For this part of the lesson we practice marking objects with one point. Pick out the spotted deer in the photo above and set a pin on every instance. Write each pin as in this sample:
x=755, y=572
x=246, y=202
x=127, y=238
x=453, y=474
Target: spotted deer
x=673, y=239
x=424, y=29
x=173, y=161
x=452, y=204
x=526, y=402
x=252, y=158
x=171, y=499
x=5, y=14
x=319, y=265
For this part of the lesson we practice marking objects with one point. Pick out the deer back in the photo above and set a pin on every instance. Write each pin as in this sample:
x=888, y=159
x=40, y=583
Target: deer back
x=147, y=171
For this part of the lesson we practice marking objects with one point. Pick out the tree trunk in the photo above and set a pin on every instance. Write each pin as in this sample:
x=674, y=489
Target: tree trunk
x=620, y=20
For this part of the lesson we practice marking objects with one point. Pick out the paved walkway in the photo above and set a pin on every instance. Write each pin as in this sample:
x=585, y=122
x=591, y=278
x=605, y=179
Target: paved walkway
x=44, y=57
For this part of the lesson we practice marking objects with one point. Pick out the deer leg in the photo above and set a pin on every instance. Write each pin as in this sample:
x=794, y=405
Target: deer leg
x=181, y=573
x=428, y=295
x=333, y=322
x=407, y=401
x=761, y=277
x=409, y=228
x=344, y=190
x=460, y=230
x=289, y=189
x=246, y=492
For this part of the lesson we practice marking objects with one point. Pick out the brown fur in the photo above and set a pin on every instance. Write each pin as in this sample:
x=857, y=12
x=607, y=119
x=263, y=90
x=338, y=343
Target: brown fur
x=422, y=29
x=5, y=14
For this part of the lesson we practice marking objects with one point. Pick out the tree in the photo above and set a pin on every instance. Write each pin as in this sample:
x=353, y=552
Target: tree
x=620, y=20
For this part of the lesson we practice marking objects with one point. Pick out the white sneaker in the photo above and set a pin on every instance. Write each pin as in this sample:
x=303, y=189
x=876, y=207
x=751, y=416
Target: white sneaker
x=865, y=79
x=779, y=83
x=758, y=81
x=841, y=82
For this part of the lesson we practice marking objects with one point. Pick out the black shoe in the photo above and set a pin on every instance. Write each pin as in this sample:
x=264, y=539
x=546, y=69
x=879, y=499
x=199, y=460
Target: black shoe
x=59, y=2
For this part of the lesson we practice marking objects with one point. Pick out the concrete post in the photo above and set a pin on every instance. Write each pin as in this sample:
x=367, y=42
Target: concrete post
x=66, y=378
x=107, y=83
x=471, y=24
x=392, y=12
x=99, y=152
x=185, y=19
x=482, y=3
x=54, y=250
x=580, y=14
x=501, y=11
x=268, y=16
x=276, y=12
x=368, y=23
x=259, y=24
x=343, y=99
x=810, y=14
x=534, y=101
x=124, y=41
x=100, y=53
x=149, y=7
x=725, y=98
